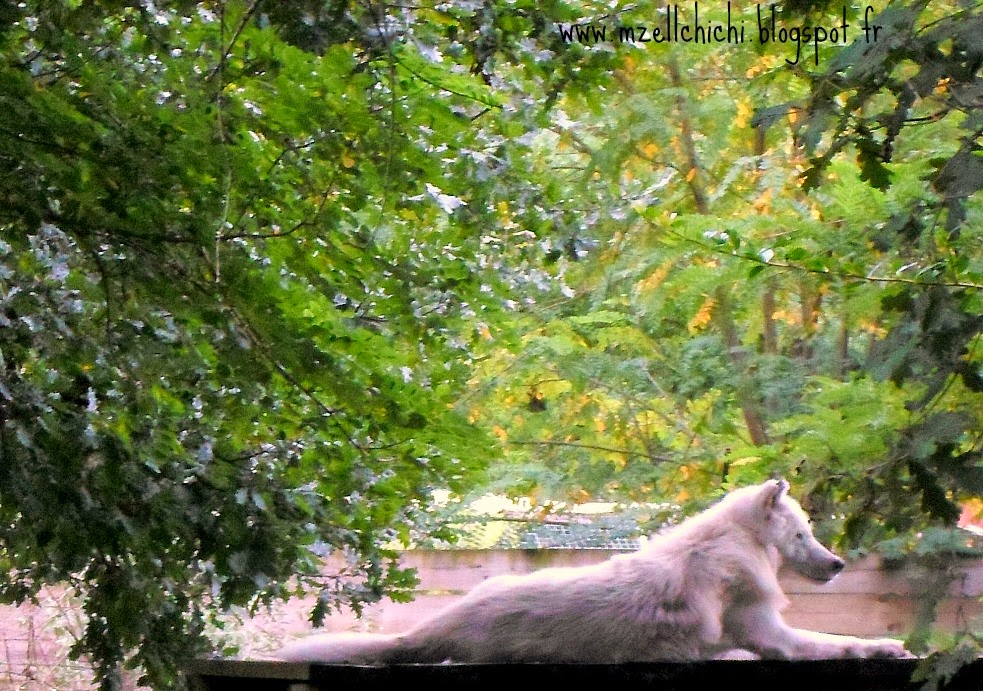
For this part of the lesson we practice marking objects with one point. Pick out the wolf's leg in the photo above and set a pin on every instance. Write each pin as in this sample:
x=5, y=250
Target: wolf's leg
x=355, y=648
x=761, y=629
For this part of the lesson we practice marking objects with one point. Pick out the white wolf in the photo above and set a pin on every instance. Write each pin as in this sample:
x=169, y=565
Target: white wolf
x=706, y=588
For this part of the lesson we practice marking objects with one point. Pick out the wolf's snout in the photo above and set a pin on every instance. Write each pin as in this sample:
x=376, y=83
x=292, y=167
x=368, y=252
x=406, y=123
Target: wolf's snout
x=819, y=567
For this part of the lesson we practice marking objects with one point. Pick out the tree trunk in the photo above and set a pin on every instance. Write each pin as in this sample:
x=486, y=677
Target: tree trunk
x=747, y=398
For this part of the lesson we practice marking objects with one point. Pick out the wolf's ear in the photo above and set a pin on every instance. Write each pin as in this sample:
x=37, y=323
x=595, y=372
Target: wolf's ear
x=773, y=492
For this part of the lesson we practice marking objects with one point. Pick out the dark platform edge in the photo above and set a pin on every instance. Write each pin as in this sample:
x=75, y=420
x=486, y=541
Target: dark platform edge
x=781, y=675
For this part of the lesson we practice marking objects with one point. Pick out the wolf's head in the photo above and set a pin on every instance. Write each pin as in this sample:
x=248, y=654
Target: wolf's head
x=786, y=526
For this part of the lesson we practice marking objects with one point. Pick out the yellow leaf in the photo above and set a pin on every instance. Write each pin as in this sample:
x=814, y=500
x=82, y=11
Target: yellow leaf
x=347, y=160
x=500, y=432
x=874, y=328
x=788, y=316
x=702, y=316
x=766, y=62
x=763, y=203
x=690, y=175
x=744, y=113
x=656, y=278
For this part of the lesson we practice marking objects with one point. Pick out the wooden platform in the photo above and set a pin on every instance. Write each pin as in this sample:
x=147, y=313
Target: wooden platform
x=766, y=675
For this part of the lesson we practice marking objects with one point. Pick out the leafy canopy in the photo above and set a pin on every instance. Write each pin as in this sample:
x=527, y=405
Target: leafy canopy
x=246, y=252
x=271, y=272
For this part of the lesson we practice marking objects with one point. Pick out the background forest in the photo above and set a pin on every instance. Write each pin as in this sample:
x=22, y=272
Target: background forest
x=272, y=272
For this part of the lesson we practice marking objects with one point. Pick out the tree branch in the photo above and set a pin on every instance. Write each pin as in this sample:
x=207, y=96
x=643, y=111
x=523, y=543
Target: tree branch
x=595, y=447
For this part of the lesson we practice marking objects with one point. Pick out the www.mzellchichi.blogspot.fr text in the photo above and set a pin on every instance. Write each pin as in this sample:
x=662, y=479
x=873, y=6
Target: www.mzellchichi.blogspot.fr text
x=675, y=26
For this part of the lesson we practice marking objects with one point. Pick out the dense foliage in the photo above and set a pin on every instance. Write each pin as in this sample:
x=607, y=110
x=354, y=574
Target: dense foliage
x=246, y=250
x=270, y=272
x=781, y=273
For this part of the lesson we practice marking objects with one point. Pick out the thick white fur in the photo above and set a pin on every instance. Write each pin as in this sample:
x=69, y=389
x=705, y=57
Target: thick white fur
x=707, y=588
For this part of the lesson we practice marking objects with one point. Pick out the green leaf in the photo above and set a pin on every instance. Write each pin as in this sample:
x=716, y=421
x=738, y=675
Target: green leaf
x=430, y=73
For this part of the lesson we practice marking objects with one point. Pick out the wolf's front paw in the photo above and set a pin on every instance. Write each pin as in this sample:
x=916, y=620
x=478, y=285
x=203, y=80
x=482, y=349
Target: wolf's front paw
x=737, y=654
x=886, y=647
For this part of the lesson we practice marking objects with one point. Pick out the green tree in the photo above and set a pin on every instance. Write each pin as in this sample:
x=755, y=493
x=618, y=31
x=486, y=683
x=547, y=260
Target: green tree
x=908, y=110
x=246, y=250
x=270, y=272
x=780, y=274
